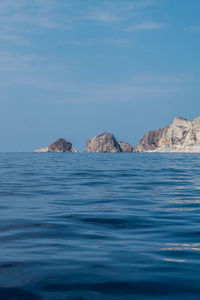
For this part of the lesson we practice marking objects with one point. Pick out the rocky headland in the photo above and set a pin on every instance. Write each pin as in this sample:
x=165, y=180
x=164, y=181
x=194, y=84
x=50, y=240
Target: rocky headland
x=61, y=145
x=106, y=142
x=181, y=136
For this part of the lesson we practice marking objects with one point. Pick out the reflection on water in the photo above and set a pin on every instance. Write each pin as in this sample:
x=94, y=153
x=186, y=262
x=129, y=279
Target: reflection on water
x=174, y=260
x=99, y=226
x=180, y=247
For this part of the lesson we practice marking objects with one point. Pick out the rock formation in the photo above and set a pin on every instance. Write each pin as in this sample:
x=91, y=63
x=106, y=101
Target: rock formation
x=106, y=142
x=125, y=147
x=181, y=136
x=150, y=140
x=58, y=146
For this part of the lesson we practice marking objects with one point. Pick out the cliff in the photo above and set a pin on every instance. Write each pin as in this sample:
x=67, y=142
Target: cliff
x=181, y=136
x=106, y=142
x=58, y=146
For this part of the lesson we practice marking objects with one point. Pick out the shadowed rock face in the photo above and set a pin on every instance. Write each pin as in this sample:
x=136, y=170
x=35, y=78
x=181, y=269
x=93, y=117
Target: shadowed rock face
x=125, y=147
x=104, y=142
x=150, y=140
x=58, y=146
x=181, y=136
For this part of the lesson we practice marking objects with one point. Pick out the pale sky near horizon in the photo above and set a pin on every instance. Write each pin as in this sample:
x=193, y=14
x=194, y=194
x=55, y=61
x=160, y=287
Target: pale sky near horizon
x=77, y=68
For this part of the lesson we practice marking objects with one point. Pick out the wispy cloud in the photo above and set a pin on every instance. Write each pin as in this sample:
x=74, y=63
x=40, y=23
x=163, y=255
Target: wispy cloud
x=14, y=38
x=101, y=41
x=136, y=6
x=17, y=17
x=145, y=87
x=195, y=28
x=20, y=63
x=146, y=26
x=20, y=19
x=41, y=74
x=112, y=12
x=100, y=16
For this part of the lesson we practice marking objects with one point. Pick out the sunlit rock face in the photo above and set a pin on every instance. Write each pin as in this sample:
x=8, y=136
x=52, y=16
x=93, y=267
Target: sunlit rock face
x=197, y=120
x=106, y=142
x=58, y=146
x=181, y=136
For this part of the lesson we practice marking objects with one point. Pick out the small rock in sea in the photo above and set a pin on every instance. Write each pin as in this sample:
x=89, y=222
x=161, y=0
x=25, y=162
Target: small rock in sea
x=60, y=145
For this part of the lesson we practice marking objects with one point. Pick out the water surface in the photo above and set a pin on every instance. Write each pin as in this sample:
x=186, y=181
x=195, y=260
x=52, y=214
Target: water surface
x=99, y=226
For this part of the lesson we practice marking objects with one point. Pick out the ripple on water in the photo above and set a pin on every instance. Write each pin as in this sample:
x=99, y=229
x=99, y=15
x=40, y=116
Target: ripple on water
x=81, y=226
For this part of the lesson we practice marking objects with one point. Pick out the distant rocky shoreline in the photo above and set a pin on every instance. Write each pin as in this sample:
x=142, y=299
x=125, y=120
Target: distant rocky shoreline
x=181, y=136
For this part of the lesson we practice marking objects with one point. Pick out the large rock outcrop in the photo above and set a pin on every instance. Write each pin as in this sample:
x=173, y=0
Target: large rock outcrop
x=181, y=136
x=106, y=142
x=58, y=146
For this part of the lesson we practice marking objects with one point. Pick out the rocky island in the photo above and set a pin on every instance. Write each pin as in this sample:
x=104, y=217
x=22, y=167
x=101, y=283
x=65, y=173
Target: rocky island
x=181, y=136
x=106, y=142
x=61, y=145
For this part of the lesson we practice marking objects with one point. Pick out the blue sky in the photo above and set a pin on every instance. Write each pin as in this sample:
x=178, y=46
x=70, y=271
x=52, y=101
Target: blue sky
x=77, y=68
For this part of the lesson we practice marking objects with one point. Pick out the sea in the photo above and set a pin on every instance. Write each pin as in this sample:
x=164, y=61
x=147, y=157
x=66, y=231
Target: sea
x=100, y=226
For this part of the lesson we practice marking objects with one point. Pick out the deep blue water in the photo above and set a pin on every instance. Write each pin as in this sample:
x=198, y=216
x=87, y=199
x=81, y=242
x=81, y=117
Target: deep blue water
x=99, y=226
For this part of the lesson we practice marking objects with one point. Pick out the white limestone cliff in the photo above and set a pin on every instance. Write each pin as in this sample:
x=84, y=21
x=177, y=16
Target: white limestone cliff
x=181, y=136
